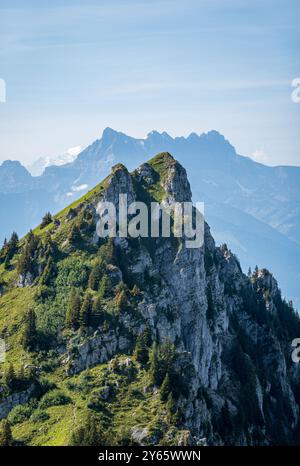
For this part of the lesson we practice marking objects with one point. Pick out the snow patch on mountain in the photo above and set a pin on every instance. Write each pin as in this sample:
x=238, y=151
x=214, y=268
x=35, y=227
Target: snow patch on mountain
x=39, y=165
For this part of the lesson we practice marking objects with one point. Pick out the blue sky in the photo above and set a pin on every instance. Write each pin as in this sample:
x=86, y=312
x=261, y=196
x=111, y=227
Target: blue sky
x=74, y=67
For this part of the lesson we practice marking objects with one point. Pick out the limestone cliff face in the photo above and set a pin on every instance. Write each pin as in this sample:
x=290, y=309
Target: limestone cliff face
x=230, y=330
x=15, y=399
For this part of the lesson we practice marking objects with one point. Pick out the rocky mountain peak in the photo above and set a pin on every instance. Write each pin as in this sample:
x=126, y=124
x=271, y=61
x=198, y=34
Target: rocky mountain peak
x=173, y=177
x=265, y=284
x=226, y=336
x=119, y=182
x=15, y=167
x=216, y=143
x=109, y=133
x=112, y=137
x=14, y=176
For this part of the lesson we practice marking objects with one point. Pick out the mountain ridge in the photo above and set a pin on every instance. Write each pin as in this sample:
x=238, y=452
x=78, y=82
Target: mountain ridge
x=141, y=340
x=249, y=192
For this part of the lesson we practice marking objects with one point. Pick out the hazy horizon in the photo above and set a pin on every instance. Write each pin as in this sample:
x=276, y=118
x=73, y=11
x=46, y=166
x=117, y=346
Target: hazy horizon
x=54, y=157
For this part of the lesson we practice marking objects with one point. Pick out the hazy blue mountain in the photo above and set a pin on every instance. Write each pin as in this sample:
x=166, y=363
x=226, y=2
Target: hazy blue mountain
x=14, y=178
x=252, y=207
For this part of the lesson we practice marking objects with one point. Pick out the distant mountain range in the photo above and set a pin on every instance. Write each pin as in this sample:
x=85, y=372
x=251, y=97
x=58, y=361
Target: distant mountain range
x=252, y=207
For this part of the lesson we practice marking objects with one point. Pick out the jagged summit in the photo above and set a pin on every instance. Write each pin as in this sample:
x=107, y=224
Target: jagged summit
x=213, y=135
x=110, y=134
x=165, y=179
x=117, y=167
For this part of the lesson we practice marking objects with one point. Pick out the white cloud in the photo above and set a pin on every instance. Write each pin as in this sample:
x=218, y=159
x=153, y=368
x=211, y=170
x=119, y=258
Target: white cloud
x=260, y=156
x=74, y=151
x=79, y=188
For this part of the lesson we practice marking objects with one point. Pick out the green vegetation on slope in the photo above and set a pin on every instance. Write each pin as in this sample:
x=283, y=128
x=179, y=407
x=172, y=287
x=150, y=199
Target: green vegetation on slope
x=56, y=289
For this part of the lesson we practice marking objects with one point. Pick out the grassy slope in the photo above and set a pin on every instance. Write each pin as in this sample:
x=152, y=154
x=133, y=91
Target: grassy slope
x=130, y=406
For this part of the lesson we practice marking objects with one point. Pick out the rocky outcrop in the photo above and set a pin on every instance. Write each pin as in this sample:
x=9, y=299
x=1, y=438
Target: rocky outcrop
x=100, y=346
x=175, y=183
x=120, y=182
x=18, y=398
x=25, y=279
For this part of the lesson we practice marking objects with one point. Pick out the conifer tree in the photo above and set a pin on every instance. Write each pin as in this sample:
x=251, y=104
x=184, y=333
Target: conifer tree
x=97, y=306
x=142, y=346
x=32, y=241
x=155, y=373
x=85, y=311
x=25, y=263
x=10, y=377
x=48, y=273
x=95, y=277
x=7, y=262
x=165, y=388
x=3, y=251
x=47, y=219
x=2, y=284
x=226, y=422
x=167, y=356
x=12, y=245
x=121, y=300
x=50, y=248
x=106, y=252
x=73, y=310
x=74, y=235
x=105, y=286
x=162, y=361
x=9, y=249
x=29, y=337
x=171, y=407
x=6, y=438
x=27, y=260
